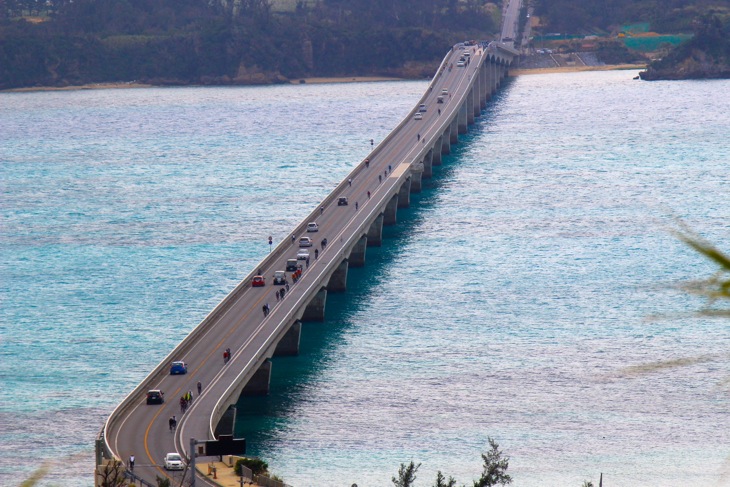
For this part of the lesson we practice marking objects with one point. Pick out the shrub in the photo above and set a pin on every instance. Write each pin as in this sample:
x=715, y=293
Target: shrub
x=256, y=465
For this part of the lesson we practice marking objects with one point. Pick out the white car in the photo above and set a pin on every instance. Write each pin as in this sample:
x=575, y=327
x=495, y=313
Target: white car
x=460, y=64
x=312, y=227
x=444, y=91
x=418, y=116
x=303, y=254
x=305, y=242
x=173, y=461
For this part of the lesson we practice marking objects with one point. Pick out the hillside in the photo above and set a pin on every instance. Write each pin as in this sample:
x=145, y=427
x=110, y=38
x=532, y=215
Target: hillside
x=705, y=56
x=229, y=42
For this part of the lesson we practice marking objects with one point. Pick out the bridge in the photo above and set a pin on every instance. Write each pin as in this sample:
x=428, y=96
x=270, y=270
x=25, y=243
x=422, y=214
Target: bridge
x=375, y=190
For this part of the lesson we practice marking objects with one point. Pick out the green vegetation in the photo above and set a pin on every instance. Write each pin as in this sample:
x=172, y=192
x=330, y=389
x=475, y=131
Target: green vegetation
x=256, y=465
x=222, y=42
x=494, y=471
x=716, y=287
x=706, y=55
x=592, y=16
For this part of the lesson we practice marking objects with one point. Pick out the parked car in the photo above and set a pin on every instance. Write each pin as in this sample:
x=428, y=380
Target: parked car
x=258, y=281
x=173, y=461
x=291, y=265
x=418, y=116
x=178, y=368
x=155, y=396
x=303, y=254
x=312, y=227
x=305, y=242
x=342, y=201
x=280, y=277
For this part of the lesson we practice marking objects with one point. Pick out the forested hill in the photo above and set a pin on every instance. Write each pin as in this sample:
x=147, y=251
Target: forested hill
x=705, y=56
x=589, y=16
x=65, y=42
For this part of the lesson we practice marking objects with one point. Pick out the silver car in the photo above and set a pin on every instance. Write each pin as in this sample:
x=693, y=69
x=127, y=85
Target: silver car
x=173, y=461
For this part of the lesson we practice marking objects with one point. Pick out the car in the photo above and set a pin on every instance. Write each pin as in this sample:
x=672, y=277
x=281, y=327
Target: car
x=155, y=396
x=342, y=201
x=178, y=368
x=445, y=91
x=258, y=281
x=305, y=242
x=280, y=277
x=312, y=227
x=291, y=265
x=422, y=108
x=418, y=116
x=303, y=254
x=173, y=461
x=466, y=54
x=440, y=99
x=460, y=64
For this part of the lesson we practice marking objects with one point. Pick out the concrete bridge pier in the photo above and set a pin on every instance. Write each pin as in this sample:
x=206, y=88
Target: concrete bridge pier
x=404, y=194
x=436, y=151
x=375, y=232
x=315, y=309
x=470, y=107
x=289, y=343
x=446, y=140
x=338, y=280
x=454, y=138
x=484, y=78
x=461, y=127
x=427, y=166
x=416, y=175
x=357, y=254
x=493, y=77
x=391, y=211
x=476, y=105
x=259, y=383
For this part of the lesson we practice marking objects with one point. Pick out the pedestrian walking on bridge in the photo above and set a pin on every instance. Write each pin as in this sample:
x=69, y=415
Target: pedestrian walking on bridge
x=200, y=389
x=131, y=462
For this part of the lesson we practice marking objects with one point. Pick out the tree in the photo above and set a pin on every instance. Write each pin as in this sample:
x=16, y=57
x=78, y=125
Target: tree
x=111, y=474
x=162, y=482
x=406, y=475
x=495, y=467
x=441, y=481
x=587, y=483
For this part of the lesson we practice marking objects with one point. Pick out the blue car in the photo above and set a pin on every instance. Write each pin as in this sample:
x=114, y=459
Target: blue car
x=178, y=368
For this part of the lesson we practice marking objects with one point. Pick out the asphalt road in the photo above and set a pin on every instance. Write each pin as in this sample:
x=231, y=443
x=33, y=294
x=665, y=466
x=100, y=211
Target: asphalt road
x=142, y=430
x=510, y=21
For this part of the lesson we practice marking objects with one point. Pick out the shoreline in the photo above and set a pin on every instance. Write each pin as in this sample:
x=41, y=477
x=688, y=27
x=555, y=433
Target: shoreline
x=575, y=69
x=322, y=80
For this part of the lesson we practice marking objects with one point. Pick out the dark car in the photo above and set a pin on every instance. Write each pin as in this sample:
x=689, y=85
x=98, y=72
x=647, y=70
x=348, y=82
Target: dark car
x=155, y=396
x=291, y=265
x=342, y=201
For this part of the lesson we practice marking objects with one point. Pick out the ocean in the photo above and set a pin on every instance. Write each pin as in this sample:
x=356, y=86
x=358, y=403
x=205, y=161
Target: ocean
x=530, y=294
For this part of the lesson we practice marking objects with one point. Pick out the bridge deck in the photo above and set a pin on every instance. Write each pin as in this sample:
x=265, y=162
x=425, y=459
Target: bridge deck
x=239, y=323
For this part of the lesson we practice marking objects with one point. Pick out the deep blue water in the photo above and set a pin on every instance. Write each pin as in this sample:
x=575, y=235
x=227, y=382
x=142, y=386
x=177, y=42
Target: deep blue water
x=528, y=294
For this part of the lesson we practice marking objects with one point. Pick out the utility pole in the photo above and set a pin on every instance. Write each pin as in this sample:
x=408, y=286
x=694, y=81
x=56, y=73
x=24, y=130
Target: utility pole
x=192, y=461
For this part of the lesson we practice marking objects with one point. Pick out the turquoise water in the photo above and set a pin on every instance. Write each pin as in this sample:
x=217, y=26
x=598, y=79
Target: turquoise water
x=526, y=295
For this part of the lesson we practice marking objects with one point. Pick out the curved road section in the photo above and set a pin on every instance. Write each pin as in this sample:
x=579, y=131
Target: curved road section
x=238, y=323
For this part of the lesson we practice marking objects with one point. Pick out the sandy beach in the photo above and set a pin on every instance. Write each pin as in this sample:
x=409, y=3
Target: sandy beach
x=575, y=69
x=91, y=86
x=353, y=79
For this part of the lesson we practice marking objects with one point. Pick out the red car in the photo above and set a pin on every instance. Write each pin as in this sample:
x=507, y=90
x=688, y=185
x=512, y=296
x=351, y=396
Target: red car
x=258, y=281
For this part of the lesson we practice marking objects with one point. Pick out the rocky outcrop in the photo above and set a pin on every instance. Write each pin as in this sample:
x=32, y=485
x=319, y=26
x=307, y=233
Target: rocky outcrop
x=698, y=65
